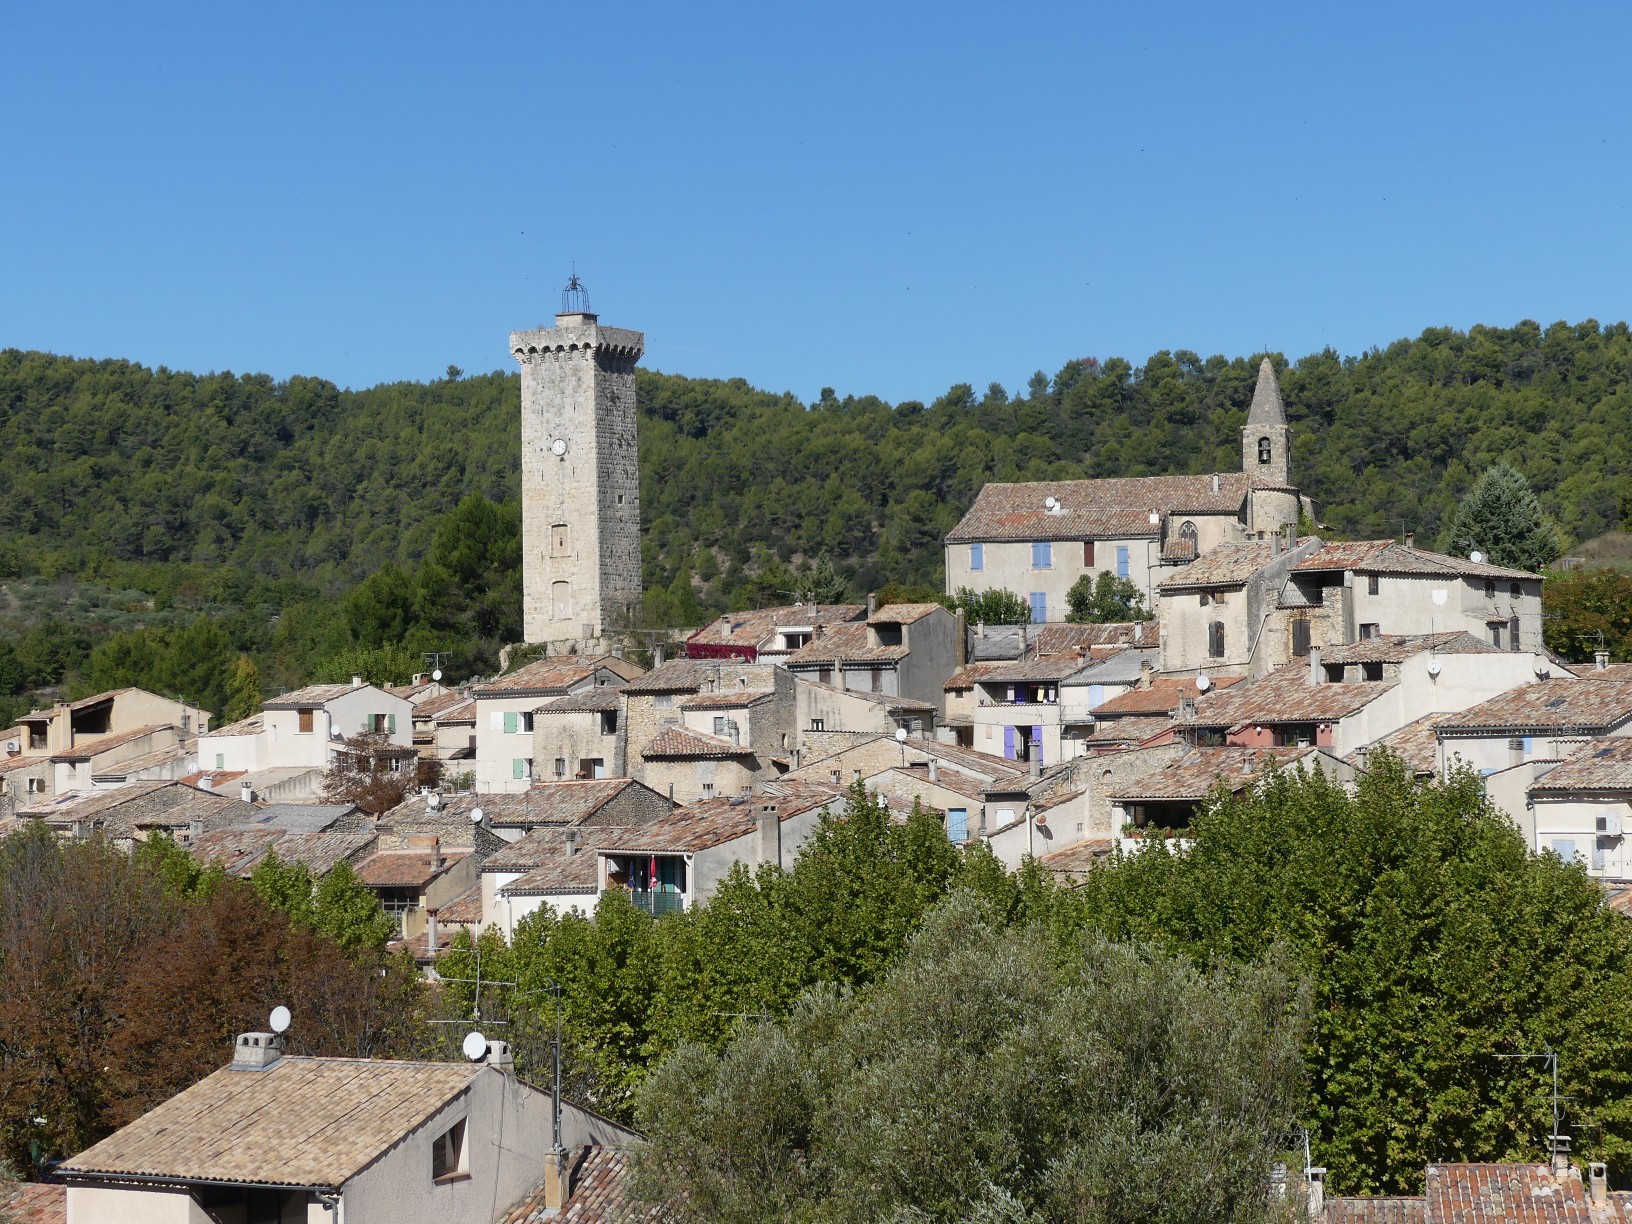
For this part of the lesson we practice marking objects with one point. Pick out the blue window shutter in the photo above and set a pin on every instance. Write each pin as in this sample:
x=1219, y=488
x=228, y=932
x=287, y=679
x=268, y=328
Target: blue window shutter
x=1042, y=554
x=1008, y=742
x=1121, y=560
x=957, y=824
x=510, y=727
x=519, y=768
x=977, y=556
x=1037, y=745
x=1039, y=607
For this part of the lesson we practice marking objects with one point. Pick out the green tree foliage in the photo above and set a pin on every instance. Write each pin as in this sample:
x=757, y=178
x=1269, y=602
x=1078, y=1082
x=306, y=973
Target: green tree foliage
x=989, y=1071
x=243, y=691
x=339, y=906
x=1434, y=943
x=1588, y=610
x=1104, y=600
x=994, y=607
x=1502, y=518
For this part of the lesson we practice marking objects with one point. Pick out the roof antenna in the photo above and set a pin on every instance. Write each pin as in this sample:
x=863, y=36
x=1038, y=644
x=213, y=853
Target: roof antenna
x=1558, y=1143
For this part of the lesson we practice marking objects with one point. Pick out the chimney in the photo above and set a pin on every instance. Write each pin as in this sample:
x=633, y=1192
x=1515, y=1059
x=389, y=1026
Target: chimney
x=617, y=650
x=356, y=682
x=768, y=839
x=498, y=1057
x=960, y=638
x=195, y=830
x=1598, y=1183
x=431, y=844
x=1317, y=1192
x=1215, y=482
x=980, y=629
x=572, y=842
x=934, y=770
x=872, y=605
x=430, y=932
x=1316, y=675
x=1290, y=531
x=554, y=1183
x=1560, y=1162
x=1024, y=630
x=256, y=1051
x=838, y=675
x=246, y=792
x=1600, y=659
x=420, y=678
x=1410, y=539
x=1146, y=671
x=657, y=656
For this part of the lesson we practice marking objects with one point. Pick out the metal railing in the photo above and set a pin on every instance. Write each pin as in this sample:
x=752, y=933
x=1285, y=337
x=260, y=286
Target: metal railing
x=657, y=903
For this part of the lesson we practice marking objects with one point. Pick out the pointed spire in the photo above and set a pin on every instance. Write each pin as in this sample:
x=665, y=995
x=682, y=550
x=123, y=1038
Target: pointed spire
x=1267, y=408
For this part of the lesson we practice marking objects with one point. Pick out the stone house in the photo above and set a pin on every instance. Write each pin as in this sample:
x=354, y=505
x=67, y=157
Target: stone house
x=505, y=709
x=1553, y=1192
x=1582, y=808
x=901, y=650
x=67, y=725
x=1162, y=801
x=828, y=719
x=134, y=813
x=444, y=726
x=1548, y=720
x=302, y=729
x=347, y=1139
x=580, y=736
x=767, y=635
x=554, y=867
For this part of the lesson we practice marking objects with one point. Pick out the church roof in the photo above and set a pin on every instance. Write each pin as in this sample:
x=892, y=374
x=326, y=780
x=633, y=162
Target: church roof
x=1110, y=508
x=1267, y=408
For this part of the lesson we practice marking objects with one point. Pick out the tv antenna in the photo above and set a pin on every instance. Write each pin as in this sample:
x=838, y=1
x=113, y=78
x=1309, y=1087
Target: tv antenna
x=476, y=1004
x=1551, y=1056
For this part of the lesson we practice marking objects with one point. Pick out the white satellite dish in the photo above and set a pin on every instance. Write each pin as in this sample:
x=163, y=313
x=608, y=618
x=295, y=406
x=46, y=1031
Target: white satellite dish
x=1476, y=556
x=1440, y=595
x=900, y=735
x=1051, y=504
x=279, y=1020
x=337, y=733
x=476, y=815
x=1433, y=667
x=1203, y=683
x=475, y=1046
x=437, y=674
x=433, y=800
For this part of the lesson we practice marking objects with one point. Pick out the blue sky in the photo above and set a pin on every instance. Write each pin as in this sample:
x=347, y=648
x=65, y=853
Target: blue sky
x=882, y=198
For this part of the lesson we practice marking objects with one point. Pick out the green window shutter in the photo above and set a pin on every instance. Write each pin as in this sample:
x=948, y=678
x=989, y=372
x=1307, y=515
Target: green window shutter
x=391, y=723
x=520, y=768
x=510, y=727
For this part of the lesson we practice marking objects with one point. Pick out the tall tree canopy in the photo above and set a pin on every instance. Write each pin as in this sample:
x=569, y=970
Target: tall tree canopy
x=1502, y=518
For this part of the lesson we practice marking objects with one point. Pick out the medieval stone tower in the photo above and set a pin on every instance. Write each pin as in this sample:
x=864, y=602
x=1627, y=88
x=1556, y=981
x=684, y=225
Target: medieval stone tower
x=580, y=475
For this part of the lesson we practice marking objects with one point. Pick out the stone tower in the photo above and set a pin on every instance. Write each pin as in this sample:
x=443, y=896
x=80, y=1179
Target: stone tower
x=580, y=474
x=1266, y=440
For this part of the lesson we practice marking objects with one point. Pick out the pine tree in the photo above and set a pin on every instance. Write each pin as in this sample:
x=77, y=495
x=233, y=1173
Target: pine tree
x=1501, y=518
x=243, y=691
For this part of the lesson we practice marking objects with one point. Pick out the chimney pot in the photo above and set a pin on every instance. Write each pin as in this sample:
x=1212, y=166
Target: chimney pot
x=1023, y=636
x=1410, y=539
x=356, y=682
x=572, y=842
x=1317, y=1193
x=1316, y=675
x=934, y=769
x=657, y=656
x=768, y=830
x=430, y=932
x=1215, y=482
x=246, y=793
x=195, y=829
x=1600, y=659
x=872, y=604
x=1146, y=671
x=256, y=1051
x=980, y=629
x=1598, y=1182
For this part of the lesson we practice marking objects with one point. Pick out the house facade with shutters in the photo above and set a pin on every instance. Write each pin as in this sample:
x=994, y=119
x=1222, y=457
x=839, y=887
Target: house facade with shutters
x=507, y=709
x=1038, y=538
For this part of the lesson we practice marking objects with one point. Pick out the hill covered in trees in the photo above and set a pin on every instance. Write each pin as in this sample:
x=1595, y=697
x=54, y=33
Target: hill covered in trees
x=262, y=503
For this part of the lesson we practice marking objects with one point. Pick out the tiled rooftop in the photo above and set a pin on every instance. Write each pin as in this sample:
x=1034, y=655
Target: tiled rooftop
x=1603, y=764
x=405, y=868
x=713, y=822
x=749, y=630
x=34, y=1203
x=550, y=869
x=1075, y=860
x=551, y=676
x=1198, y=771
x=244, y=726
x=137, y=764
x=734, y=699
x=1416, y=743
x=903, y=613
x=683, y=742
x=322, y=851
x=847, y=643
x=1134, y=729
x=431, y=707
x=1224, y=565
x=1392, y=557
x=1162, y=697
x=1095, y=509
x=237, y=849
x=1062, y=639
x=675, y=676
x=459, y=713
x=240, y=1126
x=140, y=805
x=596, y=1194
x=570, y=801
x=308, y=697
x=1558, y=704
x=87, y=749
x=1285, y=696
x=1397, y=647
x=463, y=910
x=591, y=701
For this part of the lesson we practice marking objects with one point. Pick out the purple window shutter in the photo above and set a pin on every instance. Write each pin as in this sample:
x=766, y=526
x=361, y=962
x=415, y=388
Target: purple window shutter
x=1037, y=744
x=1008, y=742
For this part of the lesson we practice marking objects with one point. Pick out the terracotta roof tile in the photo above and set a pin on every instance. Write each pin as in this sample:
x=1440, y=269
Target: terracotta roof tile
x=734, y=700
x=550, y=869
x=591, y=701
x=1416, y=743
x=903, y=613
x=404, y=868
x=1095, y=509
x=1162, y=697
x=136, y=764
x=143, y=805
x=597, y=1193
x=684, y=742
x=252, y=725
x=749, y=630
x=1396, y=648
x=440, y=704
x=1061, y=639
x=237, y=849
x=1128, y=730
x=847, y=643
x=1603, y=764
x=713, y=822
x=1224, y=565
x=1285, y=696
x=1492, y=1193
x=1198, y=771
x=547, y=677
x=346, y=1113
x=1558, y=704
x=567, y=802
x=675, y=676
x=463, y=712
x=87, y=749
x=34, y=1203
x=1392, y=557
x=1587, y=671
x=322, y=852
x=311, y=695
x=1076, y=859
x=463, y=910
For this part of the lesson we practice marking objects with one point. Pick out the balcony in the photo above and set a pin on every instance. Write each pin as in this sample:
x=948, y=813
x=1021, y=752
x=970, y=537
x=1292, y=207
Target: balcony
x=657, y=903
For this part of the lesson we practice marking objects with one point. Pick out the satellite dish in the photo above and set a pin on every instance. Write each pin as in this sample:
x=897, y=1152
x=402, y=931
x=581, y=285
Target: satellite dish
x=475, y=1046
x=1203, y=684
x=900, y=735
x=337, y=734
x=279, y=1020
x=437, y=674
x=1476, y=556
x=1433, y=667
x=433, y=800
x=1051, y=504
x=476, y=815
x=1155, y=518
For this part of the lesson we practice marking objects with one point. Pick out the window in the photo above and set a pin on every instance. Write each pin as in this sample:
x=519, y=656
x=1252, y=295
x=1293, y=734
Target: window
x=1514, y=590
x=560, y=767
x=1300, y=638
x=1373, y=584
x=609, y=722
x=708, y=790
x=1513, y=633
x=1371, y=671
x=1039, y=607
x=977, y=556
x=957, y=825
x=517, y=723
x=1215, y=640
x=1088, y=554
x=877, y=679
x=1369, y=631
x=448, y=1152
x=818, y=724
x=592, y=767
x=1121, y=560
x=1564, y=847
x=220, y=760
x=719, y=724
x=1042, y=555
x=520, y=769
x=36, y=786
x=558, y=540
x=561, y=599
x=662, y=701
x=1490, y=589
x=1187, y=534
x=1496, y=628
x=305, y=724
x=1266, y=452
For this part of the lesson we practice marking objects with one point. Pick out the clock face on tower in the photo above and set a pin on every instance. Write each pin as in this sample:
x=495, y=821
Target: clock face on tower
x=558, y=448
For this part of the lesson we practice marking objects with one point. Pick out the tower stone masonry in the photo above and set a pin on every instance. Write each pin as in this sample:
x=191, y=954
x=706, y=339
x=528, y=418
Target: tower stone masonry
x=580, y=474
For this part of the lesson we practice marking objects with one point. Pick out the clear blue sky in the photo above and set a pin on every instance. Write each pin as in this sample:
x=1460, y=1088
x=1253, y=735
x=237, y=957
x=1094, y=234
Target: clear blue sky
x=884, y=198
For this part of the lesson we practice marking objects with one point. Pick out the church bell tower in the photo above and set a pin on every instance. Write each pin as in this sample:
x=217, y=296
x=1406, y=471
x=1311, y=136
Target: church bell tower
x=580, y=474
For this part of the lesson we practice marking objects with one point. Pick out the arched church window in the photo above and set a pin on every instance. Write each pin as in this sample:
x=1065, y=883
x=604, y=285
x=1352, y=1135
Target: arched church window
x=1187, y=535
x=1264, y=450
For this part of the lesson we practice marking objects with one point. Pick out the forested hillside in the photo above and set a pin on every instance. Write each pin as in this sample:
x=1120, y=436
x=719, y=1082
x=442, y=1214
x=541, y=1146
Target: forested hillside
x=221, y=492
